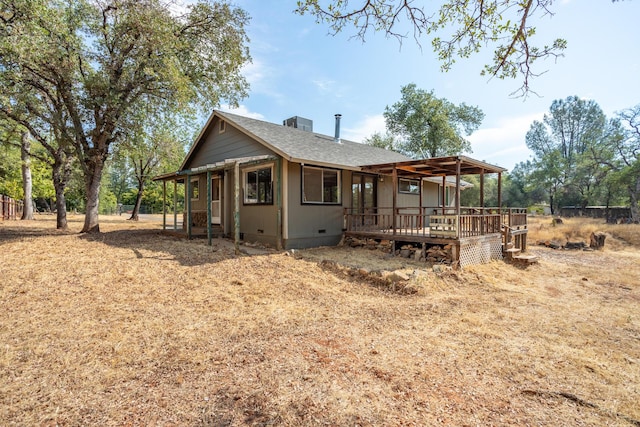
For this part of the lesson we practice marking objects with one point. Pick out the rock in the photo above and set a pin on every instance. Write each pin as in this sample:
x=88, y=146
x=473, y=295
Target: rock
x=575, y=245
x=405, y=253
x=395, y=276
x=597, y=240
x=363, y=272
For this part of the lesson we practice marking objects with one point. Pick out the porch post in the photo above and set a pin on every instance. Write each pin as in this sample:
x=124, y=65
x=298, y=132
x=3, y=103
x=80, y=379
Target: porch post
x=279, y=204
x=394, y=182
x=499, y=190
x=164, y=205
x=420, y=212
x=482, y=188
x=444, y=191
x=482, y=201
x=458, y=197
x=188, y=197
x=175, y=204
x=236, y=207
x=209, y=207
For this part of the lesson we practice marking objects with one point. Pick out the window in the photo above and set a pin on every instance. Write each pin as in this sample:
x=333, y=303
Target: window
x=320, y=185
x=446, y=195
x=223, y=126
x=410, y=186
x=258, y=186
x=195, y=189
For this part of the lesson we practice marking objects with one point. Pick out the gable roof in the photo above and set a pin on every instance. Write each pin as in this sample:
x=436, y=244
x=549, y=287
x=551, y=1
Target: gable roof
x=301, y=146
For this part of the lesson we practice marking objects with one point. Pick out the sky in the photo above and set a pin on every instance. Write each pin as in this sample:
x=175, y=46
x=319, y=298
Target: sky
x=299, y=69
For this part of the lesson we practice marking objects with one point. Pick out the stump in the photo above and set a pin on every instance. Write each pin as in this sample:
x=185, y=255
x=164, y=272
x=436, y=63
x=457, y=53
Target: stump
x=597, y=240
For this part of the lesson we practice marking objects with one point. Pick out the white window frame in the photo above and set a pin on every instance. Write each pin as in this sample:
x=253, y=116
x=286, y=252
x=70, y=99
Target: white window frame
x=322, y=202
x=447, y=195
x=411, y=182
x=193, y=188
x=222, y=127
x=245, y=185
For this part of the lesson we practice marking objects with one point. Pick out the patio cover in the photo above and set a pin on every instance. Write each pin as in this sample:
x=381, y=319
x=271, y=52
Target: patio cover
x=435, y=166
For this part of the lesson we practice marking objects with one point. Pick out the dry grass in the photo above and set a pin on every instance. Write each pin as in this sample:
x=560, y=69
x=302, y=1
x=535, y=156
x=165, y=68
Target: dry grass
x=135, y=328
x=619, y=236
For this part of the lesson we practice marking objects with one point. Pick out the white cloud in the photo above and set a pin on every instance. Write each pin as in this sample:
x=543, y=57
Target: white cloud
x=324, y=85
x=504, y=144
x=242, y=110
x=364, y=128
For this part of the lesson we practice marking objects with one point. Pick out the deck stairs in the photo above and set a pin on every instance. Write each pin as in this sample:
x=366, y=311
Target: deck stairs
x=514, y=254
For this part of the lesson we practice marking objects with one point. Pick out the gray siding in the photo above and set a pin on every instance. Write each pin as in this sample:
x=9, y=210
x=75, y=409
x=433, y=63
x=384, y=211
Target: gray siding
x=314, y=225
x=231, y=144
x=201, y=203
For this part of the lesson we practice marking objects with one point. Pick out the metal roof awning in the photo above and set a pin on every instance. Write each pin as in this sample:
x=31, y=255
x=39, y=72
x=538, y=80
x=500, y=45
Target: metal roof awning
x=435, y=166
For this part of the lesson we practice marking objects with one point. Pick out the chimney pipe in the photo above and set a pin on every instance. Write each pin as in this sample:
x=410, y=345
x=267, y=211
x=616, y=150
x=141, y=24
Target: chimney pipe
x=336, y=138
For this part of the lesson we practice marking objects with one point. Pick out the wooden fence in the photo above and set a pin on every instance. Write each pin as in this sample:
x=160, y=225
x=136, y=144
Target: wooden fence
x=10, y=208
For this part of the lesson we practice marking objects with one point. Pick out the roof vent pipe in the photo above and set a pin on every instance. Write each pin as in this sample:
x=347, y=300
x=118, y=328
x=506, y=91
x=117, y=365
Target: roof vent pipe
x=336, y=138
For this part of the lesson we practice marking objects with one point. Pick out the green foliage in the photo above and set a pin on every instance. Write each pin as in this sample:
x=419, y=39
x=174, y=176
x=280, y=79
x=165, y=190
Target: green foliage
x=93, y=66
x=459, y=29
x=426, y=126
x=568, y=147
x=386, y=141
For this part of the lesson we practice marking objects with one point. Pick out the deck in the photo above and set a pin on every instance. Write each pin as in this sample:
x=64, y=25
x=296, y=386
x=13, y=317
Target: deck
x=473, y=230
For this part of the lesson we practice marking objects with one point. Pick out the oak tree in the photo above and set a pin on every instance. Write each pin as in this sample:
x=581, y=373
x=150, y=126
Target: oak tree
x=427, y=126
x=459, y=29
x=93, y=62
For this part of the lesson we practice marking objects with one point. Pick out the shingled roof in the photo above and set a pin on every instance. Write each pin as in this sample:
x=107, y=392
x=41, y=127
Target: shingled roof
x=301, y=146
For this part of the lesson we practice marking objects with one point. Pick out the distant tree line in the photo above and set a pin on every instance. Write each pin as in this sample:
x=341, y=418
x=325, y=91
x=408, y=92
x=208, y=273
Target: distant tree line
x=580, y=157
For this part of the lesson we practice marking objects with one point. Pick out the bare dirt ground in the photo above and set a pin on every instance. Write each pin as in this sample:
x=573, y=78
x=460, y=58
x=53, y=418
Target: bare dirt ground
x=135, y=328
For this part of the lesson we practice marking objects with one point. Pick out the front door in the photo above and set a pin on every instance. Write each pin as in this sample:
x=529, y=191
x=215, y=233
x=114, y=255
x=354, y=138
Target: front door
x=216, y=200
x=363, y=197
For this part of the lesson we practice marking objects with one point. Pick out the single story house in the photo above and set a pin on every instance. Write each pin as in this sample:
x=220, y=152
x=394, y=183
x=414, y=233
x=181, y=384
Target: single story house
x=286, y=186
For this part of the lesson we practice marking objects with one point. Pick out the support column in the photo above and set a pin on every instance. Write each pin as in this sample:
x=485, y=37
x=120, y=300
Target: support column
x=500, y=190
x=164, y=205
x=187, y=184
x=175, y=204
x=482, y=231
x=209, y=207
x=458, y=197
x=394, y=182
x=236, y=207
x=279, y=204
x=443, y=193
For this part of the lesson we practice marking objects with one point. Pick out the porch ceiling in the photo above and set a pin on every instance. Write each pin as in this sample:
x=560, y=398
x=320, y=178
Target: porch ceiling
x=435, y=166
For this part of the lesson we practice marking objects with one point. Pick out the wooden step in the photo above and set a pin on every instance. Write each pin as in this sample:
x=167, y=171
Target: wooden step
x=528, y=259
x=512, y=253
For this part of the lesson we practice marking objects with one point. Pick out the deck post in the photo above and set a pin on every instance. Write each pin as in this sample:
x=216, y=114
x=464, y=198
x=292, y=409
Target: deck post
x=482, y=202
x=499, y=190
x=209, y=231
x=236, y=207
x=394, y=180
x=444, y=188
x=175, y=204
x=279, y=204
x=458, y=197
x=188, y=197
x=164, y=205
x=420, y=211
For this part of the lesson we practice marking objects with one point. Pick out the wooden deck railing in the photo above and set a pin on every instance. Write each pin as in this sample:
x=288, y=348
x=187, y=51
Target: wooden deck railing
x=435, y=221
x=10, y=208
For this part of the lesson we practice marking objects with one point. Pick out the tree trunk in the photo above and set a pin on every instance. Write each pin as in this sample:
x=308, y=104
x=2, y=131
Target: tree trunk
x=61, y=174
x=27, y=183
x=92, y=187
x=136, y=207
